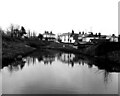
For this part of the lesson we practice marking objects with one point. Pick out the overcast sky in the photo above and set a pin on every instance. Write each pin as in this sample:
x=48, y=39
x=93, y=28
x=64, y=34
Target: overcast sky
x=61, y=16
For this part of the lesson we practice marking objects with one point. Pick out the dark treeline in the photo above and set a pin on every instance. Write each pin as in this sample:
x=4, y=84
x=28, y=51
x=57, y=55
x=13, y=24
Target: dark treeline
x=16, y=31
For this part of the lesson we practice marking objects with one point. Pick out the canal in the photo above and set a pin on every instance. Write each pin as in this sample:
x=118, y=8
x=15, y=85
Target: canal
x=54, y=72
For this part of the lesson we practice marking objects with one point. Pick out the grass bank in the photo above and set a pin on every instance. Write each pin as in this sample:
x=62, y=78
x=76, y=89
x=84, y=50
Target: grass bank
x=62, y=47
x=104, y=50
x=14, y=48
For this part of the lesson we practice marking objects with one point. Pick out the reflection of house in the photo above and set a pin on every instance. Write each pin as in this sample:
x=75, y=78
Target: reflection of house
x=67, y=38
x=49, y=36
x=69, y=58
x=48, y=59
x=66, y=57
x=30, y=60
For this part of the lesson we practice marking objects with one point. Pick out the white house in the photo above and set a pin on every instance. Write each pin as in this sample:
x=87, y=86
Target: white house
x=86, y=37
x=112, y=38
x=66, y=38
x=49, y=36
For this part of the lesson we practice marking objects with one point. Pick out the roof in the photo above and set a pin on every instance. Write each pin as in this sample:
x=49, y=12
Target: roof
x=65, y=34
x=75, y=36
x=103, y=36
x=48, y=34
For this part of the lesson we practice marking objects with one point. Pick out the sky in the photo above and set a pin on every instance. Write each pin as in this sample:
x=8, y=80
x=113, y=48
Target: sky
x=61, y=16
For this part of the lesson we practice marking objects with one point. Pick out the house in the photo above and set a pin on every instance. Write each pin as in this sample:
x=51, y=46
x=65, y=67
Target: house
x=84, y=37
x=49, y=36
x=93, y=38
x=99, y=40
x=75, y=38
x=66, y=38
x=114, y=39
x=88, y=38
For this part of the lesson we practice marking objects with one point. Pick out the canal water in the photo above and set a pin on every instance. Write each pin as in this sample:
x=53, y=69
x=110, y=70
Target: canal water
x=53, y=72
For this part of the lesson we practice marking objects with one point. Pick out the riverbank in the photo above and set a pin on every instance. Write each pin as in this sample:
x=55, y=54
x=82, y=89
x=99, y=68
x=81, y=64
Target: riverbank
x=109, y=50
x=15, y=48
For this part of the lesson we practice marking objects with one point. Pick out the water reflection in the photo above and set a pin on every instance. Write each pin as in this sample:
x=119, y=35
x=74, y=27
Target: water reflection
x=16, y=66
x=64, y=68
x=30, y=60
x=66, y=58
x=71, y=59
x=106, y=77
x=48, y=59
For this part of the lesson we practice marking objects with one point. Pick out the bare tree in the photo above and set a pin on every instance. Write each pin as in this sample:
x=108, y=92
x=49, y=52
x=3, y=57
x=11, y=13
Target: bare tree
x=12, y=30
x=72, y=32
x=22, y=31
x=29, y=34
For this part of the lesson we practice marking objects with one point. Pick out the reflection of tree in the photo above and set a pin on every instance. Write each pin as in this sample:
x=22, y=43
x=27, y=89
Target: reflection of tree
x=102, y=64
x=90, y=65
x=72, y=63
x=40, y=58
x=16, y=66
x=106, y=77
x=50, y=62
x=82, y=62
x=21, y=66
x=47, y=56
